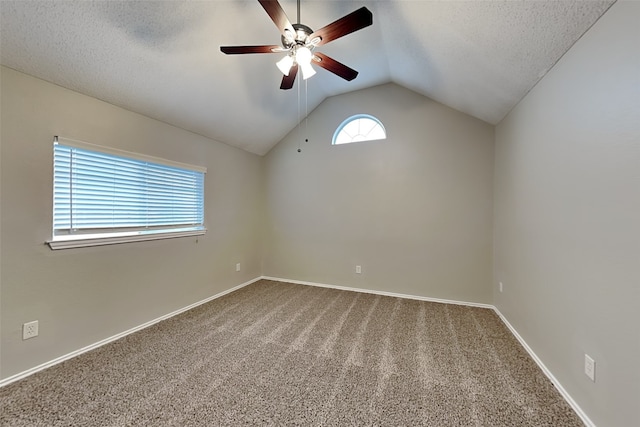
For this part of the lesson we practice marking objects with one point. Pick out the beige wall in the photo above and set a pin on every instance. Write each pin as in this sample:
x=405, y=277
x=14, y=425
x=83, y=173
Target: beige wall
x=414, y=210
x=567, y=218
x=81, y=296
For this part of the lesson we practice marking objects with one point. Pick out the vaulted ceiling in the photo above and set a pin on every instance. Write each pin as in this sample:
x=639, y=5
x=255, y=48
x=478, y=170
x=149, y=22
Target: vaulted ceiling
x=162, y=58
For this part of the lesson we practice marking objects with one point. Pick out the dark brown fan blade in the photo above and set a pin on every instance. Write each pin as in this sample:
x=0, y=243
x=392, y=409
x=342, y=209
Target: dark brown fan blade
x=354, y=21
x=287, y=81
x=277, y=15
x=238, y=50
x=335, y=67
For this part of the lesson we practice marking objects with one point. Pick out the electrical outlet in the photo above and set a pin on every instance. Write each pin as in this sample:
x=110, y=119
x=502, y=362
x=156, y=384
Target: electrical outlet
x=590, y=367
x=30, y=330
x=358, y=269
x=238, y=267
x=500, y=286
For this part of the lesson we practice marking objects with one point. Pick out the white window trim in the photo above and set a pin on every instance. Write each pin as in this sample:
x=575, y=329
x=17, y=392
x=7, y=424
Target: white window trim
x=118, y=237
x=351, y=119
x=81, y=241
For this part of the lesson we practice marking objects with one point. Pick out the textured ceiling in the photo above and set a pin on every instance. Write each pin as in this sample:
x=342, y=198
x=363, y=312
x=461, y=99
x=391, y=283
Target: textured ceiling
x=162, y=59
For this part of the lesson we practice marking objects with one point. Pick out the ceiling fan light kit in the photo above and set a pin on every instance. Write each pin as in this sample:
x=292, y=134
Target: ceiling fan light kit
x=303, y=59
x=299, y=42
x=285, y=64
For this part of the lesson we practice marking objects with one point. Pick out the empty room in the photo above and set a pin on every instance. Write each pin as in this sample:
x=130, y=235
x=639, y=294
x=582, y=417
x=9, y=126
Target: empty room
x=261, y=212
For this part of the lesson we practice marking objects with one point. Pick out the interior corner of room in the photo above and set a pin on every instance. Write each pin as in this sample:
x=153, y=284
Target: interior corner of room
x=534, y=216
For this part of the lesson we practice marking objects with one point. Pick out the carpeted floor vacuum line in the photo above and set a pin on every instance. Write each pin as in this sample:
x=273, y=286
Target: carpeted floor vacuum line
x=284, y=354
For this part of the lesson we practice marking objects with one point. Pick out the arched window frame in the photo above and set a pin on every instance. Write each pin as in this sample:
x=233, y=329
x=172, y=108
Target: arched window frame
x=368, y=117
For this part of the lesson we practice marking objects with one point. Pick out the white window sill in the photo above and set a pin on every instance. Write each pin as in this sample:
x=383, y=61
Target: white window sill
x=83, y=241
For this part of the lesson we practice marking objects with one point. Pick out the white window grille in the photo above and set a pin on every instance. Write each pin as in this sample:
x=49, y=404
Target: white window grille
x=361, y=127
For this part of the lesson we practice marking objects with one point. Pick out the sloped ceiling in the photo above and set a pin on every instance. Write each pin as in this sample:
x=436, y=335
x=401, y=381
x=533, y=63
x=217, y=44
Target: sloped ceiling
x=162, y=58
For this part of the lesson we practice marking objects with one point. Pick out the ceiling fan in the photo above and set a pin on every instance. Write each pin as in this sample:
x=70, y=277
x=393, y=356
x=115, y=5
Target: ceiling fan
x=299, y=42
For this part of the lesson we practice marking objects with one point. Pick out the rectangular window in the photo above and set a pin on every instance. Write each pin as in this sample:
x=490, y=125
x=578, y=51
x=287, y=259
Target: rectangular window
x=105, y=196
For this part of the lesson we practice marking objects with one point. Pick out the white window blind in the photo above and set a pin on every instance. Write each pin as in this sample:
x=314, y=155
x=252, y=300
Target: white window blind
x=101, y=193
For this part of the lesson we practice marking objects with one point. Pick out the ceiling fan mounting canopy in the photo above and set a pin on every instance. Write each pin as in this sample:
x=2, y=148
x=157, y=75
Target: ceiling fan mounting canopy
x=298, y=38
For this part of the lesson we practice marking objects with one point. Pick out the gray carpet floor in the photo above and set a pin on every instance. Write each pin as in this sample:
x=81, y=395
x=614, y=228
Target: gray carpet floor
x=283, y=354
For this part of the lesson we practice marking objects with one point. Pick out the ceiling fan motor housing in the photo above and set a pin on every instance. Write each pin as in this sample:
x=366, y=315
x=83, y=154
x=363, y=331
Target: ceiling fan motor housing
x=300, y=38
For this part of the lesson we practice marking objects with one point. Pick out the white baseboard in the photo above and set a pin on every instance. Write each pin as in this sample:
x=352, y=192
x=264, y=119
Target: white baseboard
x=93, y=346
x=385, y=293
x=585, y=419
x=544, y=369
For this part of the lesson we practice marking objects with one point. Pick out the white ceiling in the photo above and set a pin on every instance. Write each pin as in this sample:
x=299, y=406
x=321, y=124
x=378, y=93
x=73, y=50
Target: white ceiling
x=162, y=58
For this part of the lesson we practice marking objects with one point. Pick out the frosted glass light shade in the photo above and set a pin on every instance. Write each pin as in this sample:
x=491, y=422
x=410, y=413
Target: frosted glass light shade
x=303, y=55
x=307, y=71
x=285, y=64
x=303, y=58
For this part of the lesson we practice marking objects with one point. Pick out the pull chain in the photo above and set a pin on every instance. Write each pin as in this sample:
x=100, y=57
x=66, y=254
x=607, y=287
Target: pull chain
x=306, y=111
x=306, y=114
x=306, y=102
x=299, y=133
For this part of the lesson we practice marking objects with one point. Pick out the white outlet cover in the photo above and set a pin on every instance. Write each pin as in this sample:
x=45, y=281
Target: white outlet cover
x=30, y=330
x=238, y=267
x=358, y=269
x=590, y=367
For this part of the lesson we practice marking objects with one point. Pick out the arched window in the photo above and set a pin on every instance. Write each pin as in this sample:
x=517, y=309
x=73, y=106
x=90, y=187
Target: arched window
x=361, y=127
